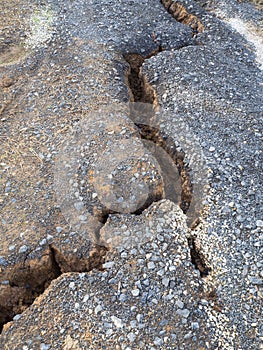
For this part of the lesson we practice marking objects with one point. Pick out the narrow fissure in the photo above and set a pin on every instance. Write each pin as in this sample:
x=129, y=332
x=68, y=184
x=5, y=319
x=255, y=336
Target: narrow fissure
x=198, y=260
x=142, y=92
x=25, y=282
x=180, y=14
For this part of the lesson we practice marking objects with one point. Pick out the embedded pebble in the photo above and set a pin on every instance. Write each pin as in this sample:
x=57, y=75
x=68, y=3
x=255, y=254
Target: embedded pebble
x=117, y=322
x=135, y=292
x=23, y=249
x=151, y=265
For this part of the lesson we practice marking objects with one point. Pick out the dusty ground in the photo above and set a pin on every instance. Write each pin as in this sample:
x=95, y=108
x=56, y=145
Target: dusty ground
x=58, y=62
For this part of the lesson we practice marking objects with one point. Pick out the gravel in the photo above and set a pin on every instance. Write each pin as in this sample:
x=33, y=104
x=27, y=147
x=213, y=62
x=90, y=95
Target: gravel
x=129, y=310
x=148, y=294
x=222, y=103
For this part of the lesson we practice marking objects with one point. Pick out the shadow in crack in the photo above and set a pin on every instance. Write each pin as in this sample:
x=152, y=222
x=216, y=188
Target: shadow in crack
x=31, y=278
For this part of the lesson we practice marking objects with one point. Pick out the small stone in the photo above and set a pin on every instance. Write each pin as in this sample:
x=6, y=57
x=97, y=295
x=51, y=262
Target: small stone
x=160, y=272
x=212, y=149
x=107, y=325
x=43, y=242
x=2, y=261
x=133, y=323
x=195, y=325
x=159, y=229
x=83, y=218
x=123, y=297
x=113, y=281
x=139, y=318
x=44, y=346
x=164, y=97
x=158, y=341
x=23, y=249
x=188, y=336
x=108, y=265
x=240, y=218
x=165, y=281
x=135, y=292
x=160, y=238
x=146, y=282
x=132, y=337
x=259, y=223
x=184, y=313
x=172, y=268
x=140, y=261
x=180, y=304
x=109, y=333
x=86, y=298
x=72, y=285
x=151, y=265
x=117, y=322
x=17, y=317
x=138, y=284
x=59, y=229
x=49, y=237
x=78, y=205
x=98, y=309
x=256, y=280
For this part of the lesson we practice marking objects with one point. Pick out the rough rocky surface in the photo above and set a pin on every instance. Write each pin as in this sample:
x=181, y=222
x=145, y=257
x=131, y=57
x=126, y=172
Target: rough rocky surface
x=141, y=299
x=63, y=60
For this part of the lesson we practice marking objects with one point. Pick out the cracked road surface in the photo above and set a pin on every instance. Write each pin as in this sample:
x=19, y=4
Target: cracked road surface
x=194, y=285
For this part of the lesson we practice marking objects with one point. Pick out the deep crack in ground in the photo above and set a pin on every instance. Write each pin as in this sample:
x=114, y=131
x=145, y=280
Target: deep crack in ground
x=30, y=279
x=141, y=91
x=180, y=13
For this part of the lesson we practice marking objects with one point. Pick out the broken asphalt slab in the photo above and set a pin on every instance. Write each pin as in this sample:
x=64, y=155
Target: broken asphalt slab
x=208, y=84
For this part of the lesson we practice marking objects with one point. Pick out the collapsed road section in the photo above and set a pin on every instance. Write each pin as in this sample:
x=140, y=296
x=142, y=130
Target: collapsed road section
x=147, y=295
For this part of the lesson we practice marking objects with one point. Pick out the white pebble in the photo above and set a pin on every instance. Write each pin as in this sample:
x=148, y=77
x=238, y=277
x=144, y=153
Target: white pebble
x=117, y=322
x=108, y=265
x=131, y=336
x=135, y=292
x=72, y=285
x=17, y=317
x=184, y=313
x=165, y=281
x=151, y=265
x=23, y=249
x=98, y=309
x=86, y=297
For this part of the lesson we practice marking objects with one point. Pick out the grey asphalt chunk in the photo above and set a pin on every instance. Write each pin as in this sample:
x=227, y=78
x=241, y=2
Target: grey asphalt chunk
x=148, y=294
x=221, y=99
x=90, y=308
